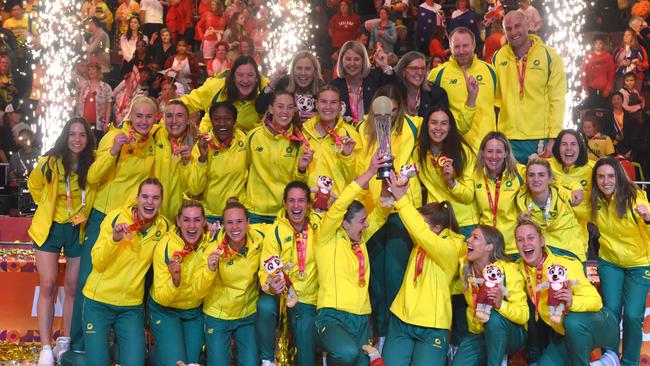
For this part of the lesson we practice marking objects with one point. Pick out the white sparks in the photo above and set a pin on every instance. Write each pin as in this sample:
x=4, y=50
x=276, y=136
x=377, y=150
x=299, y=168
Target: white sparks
x=60, y=34
x=566, y=20
x=289, y=30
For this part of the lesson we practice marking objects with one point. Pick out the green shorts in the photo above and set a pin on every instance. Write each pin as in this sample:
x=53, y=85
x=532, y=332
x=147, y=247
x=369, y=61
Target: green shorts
x=63, y=236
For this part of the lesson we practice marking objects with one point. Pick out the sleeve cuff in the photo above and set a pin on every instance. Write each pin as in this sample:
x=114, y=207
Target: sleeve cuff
x=402, y=202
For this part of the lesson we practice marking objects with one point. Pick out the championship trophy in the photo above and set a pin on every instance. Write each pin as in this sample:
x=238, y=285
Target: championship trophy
x=381, y=110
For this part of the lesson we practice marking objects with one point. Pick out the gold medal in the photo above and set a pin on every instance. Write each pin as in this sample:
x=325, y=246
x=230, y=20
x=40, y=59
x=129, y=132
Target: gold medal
x=362, y=283
x=78, y=219
x=302, y=275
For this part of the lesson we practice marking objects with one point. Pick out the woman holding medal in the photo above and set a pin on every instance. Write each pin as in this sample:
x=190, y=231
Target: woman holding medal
x=421, y=315
x=219, y=166
x=278, y=153
x=550, y=208
x=228, y=282
x=293, y=241
x=503, y=332
x=58, y=185
x=333, y=141
x=124, y=158
x=342, y=324
x=114, y=292
x=584, y=324
x=620, y=210
x=496, y=183
x=391, y=246
x=175, y=314
x=173, y=155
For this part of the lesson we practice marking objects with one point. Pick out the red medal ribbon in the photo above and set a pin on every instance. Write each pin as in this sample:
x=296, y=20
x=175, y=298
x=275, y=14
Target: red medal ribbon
x=137, y=223
x=521, y=73
x=538, y=278
x=494, y=204
x=187, y=249
x=440, y=161
x=337, y=139
x=296, y=136
x=419, y=265
x=354, y=107
x=356, y=247
x=214, y=143
x=225, y=248
x=135, y=141
x=301, y=247
x=177, y=143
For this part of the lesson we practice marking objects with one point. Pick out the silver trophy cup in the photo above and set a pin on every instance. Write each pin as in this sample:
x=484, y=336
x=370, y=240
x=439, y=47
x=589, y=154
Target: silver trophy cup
x=381, y=109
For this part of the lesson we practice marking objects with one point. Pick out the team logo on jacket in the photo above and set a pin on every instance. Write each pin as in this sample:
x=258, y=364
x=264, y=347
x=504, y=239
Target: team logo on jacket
x=536, y=62
x=479, y=77
x=437, y=343
x=509, y=183
x=504, y=63
x=479, y=186
x=259, y=149
x=583, y=183
x=453, y=81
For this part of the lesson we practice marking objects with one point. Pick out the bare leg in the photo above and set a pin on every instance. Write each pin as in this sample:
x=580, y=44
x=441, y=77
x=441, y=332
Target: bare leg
x=71, y=277
x=47, y=265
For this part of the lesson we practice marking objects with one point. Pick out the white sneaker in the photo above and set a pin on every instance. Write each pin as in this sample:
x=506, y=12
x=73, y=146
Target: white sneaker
x=609, y=358
x=267, y=363
x=62, y=346
x=380, y=344
x=46, y=357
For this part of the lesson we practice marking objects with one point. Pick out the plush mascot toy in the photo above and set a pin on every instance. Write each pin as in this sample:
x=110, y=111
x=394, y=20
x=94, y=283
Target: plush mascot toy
x=557, y=280
x=406, y=172
x=492, y=277
x=323, y=193
x=273, y=266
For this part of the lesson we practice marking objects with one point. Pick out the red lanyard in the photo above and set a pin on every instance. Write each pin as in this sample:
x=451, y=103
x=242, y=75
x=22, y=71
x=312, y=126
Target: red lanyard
x=301, y=248
x=224, y=249
x=337, y=139
x=417, y=104
x=354, y=107
x=475, y=289
x=440, y=161
x=214, y=143
x=179, y=255
x=521, y=72
x=419, y=264
x=534, y=294
x=177, y=143
x=135, y=142
x=137, y=223
x=356, y=247
x=296, y=136
x=494, y=204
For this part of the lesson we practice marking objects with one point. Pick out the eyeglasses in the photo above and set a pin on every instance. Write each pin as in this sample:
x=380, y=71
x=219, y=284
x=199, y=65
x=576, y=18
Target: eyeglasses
x=415, y=69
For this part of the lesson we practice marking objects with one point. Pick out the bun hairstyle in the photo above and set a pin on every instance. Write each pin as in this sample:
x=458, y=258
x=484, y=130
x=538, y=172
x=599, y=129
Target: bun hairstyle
x=190, y=203
x=232, y=203
x=524, y=219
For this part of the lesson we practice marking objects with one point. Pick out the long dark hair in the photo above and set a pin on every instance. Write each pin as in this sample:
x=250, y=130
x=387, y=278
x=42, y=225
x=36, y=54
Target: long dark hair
x=582, y=147
x=232, y=92
x=129, y=33
x=624, y=193
x=60, y=150
x=452, y=146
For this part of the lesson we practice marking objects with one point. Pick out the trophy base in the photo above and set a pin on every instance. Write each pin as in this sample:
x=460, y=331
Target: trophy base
x=384, y=172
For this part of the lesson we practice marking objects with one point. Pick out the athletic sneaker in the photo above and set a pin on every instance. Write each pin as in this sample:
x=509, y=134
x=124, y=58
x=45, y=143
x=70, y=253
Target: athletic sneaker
x=609, y=358
x=46, y=357
x=61, y=347
x=267, y=363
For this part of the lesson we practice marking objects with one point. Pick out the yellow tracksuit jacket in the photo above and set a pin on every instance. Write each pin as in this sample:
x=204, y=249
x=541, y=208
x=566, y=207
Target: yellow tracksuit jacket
x=540, y=112
x=272, y=164
x=163, y=290
x=221, y=176
x=214, y=90
x=426, y=302
x=576, y=178
x=231, y=292
x=585, y=296
x=342, y=169
x=280, y=240
x=473, y=122
x=513, y=307
x=119, y=268
x=172, y=172
x=119, y=176
x=624, y=241
x=338, y=266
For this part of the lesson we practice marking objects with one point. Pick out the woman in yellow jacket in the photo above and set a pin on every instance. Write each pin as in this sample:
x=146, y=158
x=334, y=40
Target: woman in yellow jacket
x=229, y=285
x=497, y=179
x=504, y=330
x=335, y=143
x=620, y=210
x=342, y=324
x=174, y=311
x=219, y=167
x=114, y=292
x=550, y=208
x=390, y=247
x=58, y=184
x=422, y=313
x=584, y=324
x=241, y=86
x=173, y=156
x=125, y=157
x=277, y=154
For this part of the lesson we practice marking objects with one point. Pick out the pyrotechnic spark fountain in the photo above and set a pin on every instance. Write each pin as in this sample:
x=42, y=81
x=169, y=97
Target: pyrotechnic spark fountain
x=289, y=30
x=61, y=48
x=566, y=20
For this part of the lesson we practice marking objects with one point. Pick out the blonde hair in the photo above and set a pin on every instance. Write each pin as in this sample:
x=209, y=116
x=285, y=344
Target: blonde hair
x=360, y=50
x=140, y=100
x=318, y=74
x=509, y=160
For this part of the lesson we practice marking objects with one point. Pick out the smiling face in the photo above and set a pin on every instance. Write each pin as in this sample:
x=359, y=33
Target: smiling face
x=176, y=120
x=357, y=225
x=296, y=205
x=223, y=123
x=303, y=72
x=629, y=82
x=165, y=37
x=462, y=48
x=221, y=52
x=149, y=201
x=478, y=249
x=77, y=138
x=245, y=79
x=569, y=150
x=537, y=179
x=606, y=180
x=328, y=105
x=617, y=101
x=628, y=37
x=516, y=28
x=283, y=109
x=530, y=244
x=142, y=116
x=235, y=223
x=134, y=24
x=414, y=72
x=494, y=155
x=191, y=223
x=438, y=127
x=352, y=63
